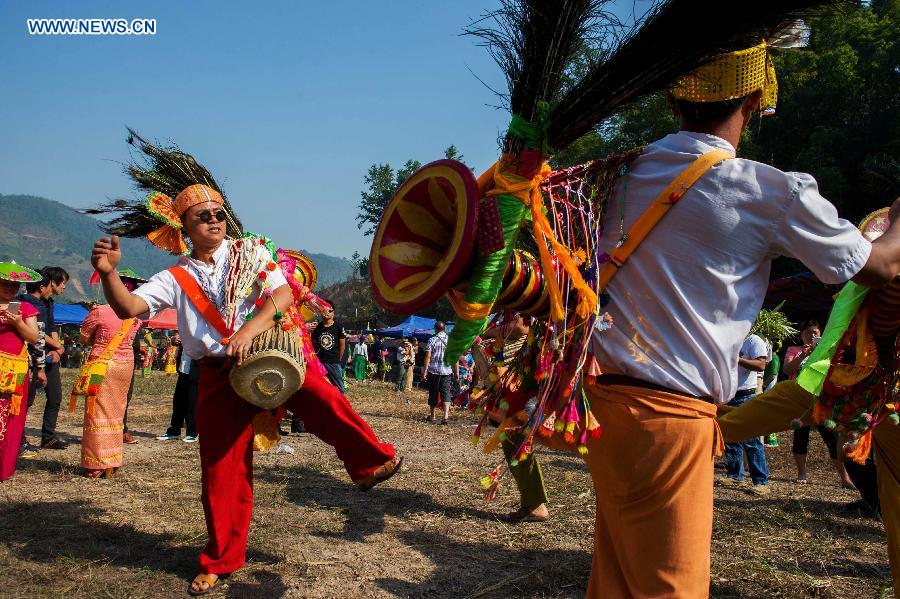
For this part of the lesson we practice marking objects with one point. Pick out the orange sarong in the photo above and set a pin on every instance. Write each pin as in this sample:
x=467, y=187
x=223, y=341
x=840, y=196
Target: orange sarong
x=773, y=411
x=101, y=441
x=653, y=477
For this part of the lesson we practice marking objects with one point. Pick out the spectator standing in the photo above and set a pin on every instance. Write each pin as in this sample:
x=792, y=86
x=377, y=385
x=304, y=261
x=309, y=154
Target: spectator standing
x=40, y=295
x=437, y=375
x=411, y=369
x=137, y=352
x=184, y=400
x=381, y=354
x=329, y=340
x=405, y=361
x=770, y=379
x=18, y=326
x=172, y=352
x=360, y=359
x=751, y=361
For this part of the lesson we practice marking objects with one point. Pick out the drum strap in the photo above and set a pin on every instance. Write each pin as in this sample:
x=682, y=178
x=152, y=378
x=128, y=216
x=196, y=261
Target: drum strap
x=657, y=210
x=198, y=298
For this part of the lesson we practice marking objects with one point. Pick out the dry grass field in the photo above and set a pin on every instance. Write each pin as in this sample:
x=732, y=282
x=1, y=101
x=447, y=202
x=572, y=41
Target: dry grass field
x=425, y=533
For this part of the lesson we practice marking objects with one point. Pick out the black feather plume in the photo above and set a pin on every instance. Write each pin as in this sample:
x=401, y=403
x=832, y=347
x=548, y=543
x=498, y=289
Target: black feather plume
x=165, y=170
x=676, y=37
x=534, y=42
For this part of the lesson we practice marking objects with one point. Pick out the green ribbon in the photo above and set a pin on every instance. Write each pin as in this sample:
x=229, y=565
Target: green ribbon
x=812, y=377
x=533, y=135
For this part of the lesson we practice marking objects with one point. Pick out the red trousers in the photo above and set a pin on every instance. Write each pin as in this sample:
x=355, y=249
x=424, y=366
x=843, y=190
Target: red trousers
x=224, y=423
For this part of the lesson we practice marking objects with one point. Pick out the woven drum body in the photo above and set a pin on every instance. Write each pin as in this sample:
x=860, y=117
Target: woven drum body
x=273, y=371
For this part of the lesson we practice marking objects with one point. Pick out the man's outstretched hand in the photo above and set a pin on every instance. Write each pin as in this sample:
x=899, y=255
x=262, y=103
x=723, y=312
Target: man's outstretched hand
x=106, y=255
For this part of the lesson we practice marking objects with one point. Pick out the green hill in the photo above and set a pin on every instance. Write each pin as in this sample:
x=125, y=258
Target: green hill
x=39, y=232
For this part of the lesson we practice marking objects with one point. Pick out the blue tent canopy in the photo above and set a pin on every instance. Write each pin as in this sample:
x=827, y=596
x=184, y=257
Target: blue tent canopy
x=69, y=313
x=413, y=326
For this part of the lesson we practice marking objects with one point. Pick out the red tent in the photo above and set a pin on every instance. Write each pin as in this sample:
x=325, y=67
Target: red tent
x=167, y=319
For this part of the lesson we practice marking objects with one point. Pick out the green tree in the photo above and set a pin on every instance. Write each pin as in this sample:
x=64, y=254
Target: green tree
x=382, y=181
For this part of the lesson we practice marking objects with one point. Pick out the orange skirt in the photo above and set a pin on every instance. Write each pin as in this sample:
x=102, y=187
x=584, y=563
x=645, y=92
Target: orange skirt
x=101, y=440
x=652, y=470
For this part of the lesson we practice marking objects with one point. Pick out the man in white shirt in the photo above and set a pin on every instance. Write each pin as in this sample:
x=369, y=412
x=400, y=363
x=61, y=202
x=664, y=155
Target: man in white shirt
x=682, y=306
x=751, y=362
x=224, y=420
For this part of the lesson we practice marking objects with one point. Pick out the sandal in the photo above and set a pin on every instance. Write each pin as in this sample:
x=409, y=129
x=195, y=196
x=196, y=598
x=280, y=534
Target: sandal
x=210, y=580
x=382, y=474
x=428, y=419
x=800, y=480
x=93, y=473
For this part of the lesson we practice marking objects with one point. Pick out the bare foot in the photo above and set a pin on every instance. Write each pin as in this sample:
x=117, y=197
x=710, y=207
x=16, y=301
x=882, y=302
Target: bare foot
x=537, y=513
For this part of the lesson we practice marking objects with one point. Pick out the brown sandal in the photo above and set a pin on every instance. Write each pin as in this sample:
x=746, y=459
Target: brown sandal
x=202, y=579
x=382, y=474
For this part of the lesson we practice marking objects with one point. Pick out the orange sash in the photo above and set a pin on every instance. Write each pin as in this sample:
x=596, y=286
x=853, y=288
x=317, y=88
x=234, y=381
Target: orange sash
x=198, y=298
x=657, y=210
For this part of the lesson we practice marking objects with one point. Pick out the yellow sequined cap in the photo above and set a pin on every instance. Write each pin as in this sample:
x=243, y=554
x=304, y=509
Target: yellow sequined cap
x=733, y=75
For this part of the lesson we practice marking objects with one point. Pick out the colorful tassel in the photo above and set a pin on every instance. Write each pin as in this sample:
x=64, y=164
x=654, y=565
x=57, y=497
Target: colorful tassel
x=548, y=426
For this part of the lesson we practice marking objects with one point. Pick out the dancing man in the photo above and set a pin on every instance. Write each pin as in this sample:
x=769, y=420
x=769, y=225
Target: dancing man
x=196, y=289
x=682, y=307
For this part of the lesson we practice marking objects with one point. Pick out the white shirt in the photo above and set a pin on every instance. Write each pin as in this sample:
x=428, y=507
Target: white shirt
x=684, y=302
x=753, y=347
x=198, y=337
x=360, y=349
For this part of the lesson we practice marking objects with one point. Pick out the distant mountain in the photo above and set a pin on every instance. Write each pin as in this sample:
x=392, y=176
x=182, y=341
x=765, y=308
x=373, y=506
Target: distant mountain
x=39, y=232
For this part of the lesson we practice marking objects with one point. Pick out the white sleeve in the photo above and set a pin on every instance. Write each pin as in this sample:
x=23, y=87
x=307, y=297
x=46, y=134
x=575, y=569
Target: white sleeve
x=757, y=348
x=811, y=231
x=159, y=293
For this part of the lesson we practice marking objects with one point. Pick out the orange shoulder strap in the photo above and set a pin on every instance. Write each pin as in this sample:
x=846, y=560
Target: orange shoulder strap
x=116, y=340
x=657, y=210
x=192, y=289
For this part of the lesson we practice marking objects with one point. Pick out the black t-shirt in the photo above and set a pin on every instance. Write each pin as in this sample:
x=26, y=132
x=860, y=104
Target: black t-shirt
x=326, y=341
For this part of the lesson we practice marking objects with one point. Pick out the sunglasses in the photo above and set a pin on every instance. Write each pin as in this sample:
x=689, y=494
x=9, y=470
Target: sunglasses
x=205, y=216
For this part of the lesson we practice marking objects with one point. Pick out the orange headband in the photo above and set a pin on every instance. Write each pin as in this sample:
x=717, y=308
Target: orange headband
x=168, y=237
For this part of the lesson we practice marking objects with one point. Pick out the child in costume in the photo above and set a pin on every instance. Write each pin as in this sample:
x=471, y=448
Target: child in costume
x=208, y=306
x=18, y=328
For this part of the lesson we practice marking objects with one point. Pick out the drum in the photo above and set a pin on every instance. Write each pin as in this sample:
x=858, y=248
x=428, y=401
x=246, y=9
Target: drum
x=273, y=370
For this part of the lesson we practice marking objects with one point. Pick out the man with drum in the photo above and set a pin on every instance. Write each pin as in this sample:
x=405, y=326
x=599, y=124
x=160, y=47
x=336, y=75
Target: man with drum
x=223, y=418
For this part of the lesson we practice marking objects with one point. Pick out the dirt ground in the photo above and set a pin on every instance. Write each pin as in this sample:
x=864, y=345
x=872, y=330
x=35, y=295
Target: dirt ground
x=425, y=533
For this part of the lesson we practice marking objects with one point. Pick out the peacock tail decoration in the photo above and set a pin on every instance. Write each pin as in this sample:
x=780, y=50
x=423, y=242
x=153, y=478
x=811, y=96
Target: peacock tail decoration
x=163, y=173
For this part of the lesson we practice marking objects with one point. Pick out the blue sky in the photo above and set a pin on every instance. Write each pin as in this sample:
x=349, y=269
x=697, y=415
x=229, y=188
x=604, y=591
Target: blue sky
x=286, y=102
